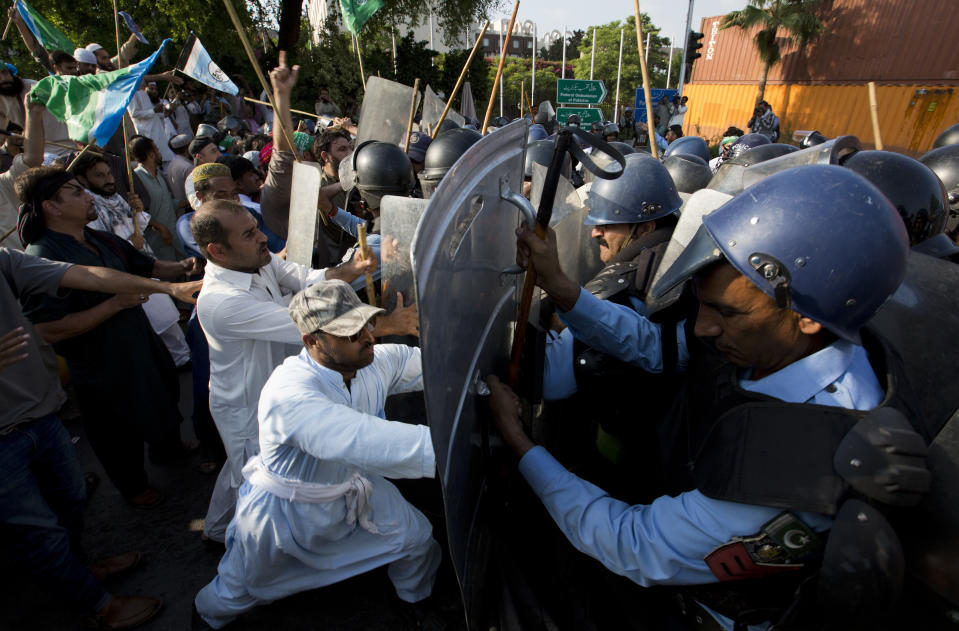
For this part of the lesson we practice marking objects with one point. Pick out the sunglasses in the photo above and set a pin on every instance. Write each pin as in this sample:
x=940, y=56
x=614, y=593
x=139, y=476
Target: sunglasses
x=369, y=326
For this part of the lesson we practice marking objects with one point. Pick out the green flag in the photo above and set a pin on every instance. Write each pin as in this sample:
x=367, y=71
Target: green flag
x=357, y=12
x=46, y=33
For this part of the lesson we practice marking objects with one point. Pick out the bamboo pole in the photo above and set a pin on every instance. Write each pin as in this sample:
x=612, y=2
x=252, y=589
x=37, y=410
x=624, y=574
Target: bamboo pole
x=459, y=82
x=6, y=29
x=364, y=252
x=409, y=123
x=653, y=149
x=82, y=152
x=529, y=104
x=126, y=136
x=874, y=113
x=499, y=70
x=246, y=98
x=267, y=88
x=8, y=233
x=359, y=58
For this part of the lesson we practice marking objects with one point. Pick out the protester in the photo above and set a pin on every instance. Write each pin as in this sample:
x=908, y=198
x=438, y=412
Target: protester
x=317, y=508
x=32, y=156
x=63, y=63
x=178, y=170
x=149, y=116
x=162, y=237
x=325, y=106
x=204, y=150
x=105, y=63
x=125, y=380
x=672, y=133
x=679, y=109
x=42, y=499
x=86, y=61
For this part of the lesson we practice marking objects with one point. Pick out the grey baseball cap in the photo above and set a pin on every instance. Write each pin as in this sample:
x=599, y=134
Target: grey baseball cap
x=330, y=306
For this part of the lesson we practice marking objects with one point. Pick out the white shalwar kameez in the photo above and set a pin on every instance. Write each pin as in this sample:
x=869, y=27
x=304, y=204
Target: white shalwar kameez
x=316, y=508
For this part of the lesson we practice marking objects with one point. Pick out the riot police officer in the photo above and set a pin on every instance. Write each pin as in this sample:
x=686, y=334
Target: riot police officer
x=779, y=363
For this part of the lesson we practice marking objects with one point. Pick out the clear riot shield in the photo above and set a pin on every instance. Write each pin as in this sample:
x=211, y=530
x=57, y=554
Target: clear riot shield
x=578, y=252
x=699, y=204
x=399, y=217
x=432, y=110
x=304, y=195
x=467, y=307
x=385, y=111
x=735, y=175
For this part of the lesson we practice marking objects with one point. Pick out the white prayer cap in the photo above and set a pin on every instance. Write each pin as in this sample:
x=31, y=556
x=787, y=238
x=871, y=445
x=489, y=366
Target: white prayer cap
x=84, y=56
x=94, y=47
x=49, y=158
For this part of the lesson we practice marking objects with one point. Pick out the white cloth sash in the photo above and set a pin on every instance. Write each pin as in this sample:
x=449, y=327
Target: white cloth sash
x=356, y=491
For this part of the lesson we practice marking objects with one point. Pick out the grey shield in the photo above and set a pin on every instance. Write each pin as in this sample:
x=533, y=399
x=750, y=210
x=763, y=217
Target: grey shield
x=385, y=111
x=433, y=109
x=467, y=308
x=699, y=204
x=735, y=175
x=921, y=323
x=304, y=195
x=578, y=252
x=399, y=217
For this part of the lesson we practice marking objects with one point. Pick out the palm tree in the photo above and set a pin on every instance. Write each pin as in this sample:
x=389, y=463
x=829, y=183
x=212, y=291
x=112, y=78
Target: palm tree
x=796, y=17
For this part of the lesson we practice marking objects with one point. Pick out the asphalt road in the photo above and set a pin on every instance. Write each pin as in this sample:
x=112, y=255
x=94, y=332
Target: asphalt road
x=176, y=564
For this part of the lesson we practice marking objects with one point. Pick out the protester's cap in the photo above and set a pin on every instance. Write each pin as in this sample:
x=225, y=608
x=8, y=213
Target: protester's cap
x=330, y=306
x=727, y=140
x=253, y=157
x=94, y=47
x=227, y=142
x=419, y=143
x=265, y=153
x=49, y=158
x=237, y=165
x=208, y=171
x=302, y=141
x=13, y=69
x=180, y=141
x=198, y=144
x=153, y=83
x=84, y=56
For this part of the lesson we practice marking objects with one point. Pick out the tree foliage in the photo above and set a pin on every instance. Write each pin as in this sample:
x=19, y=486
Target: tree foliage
x=517, y=73
x=555, y=50
x=607, y=57
x=798, y=19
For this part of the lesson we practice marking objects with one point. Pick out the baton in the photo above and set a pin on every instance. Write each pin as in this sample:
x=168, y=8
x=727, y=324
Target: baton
x=364, y=252
x=543, y=216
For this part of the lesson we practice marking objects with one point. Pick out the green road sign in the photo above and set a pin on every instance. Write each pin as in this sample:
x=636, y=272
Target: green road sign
x=580, y=91
x=587, y=115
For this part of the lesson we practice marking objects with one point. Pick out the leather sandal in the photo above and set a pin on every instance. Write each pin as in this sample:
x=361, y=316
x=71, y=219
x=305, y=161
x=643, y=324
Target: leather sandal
x=124, y=612
x=114, y=566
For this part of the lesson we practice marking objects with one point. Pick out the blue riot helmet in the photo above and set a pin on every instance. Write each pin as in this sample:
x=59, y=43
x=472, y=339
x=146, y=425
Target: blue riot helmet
x=541, y=152
x=747, y=142
x=691, y=145
x=949, y=136
x=622, y=147
x=819, y=239
x=911, y=186
x=536, y=132
x=944, y=162
x=765, y=152
x=643, y=192
x=573, y=120
x=814, y=138
x=690, y=173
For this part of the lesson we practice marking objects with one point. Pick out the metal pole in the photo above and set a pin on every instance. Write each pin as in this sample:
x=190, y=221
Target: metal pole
x=647, y=47
x=532, y=86
x=682, y=64
x=432, y=63
x=502, y=53
x=619, y=73
x=669, y=65
x=592, y=55
x=563, y=72
x=393, y=39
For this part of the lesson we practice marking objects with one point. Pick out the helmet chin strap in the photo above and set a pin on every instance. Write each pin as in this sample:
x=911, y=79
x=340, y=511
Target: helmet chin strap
x=628, y=240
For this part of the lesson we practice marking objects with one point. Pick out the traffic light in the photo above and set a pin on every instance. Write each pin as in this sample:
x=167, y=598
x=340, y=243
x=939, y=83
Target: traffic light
x=692, y=51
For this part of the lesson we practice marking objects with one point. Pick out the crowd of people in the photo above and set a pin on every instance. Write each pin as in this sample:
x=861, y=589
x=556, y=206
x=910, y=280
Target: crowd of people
x=291, y=381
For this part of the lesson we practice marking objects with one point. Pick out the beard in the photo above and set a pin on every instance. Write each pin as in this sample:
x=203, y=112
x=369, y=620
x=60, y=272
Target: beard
x=108, y=190
x=11, y=88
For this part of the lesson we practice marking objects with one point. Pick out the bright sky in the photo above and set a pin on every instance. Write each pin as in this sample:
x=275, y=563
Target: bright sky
x=669, y=15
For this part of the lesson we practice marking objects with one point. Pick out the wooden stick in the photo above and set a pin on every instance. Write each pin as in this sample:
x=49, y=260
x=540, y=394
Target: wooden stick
x=359, y=57
x=364, y=252
x=459, y=82
x=874, y=112
x=6, y=29
x=653, y=149
x=8, y=233
x=499, y=70
x=267, y=88
x=409, y=124
x=82, y=152
x=529, y=104
x=246, y=98
x=126, y=136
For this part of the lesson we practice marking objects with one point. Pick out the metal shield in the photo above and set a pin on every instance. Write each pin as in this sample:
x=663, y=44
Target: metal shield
x=737, y=174
x=433, y=109
x=399, y=217
x=385, y=111
x=578, y=252
x=467, y=307
x=304, y=195
x=697, y=206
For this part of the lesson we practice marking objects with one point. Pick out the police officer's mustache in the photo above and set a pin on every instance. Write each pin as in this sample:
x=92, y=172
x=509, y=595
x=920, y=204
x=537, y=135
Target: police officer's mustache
x=601, y=242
